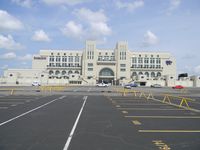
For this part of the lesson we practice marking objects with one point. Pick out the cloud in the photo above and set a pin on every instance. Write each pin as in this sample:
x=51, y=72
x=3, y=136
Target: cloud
x=96, y=22
x=40, y=36
x=131, y=6
x=7, y=42
x=64, y=2
x=23, y=3
x=4, y=67
x=93, y=25
x=8, y=22
x=174, y=4
x=73, y=29
x=26, y=57
x=150, y=39
x=8, y=56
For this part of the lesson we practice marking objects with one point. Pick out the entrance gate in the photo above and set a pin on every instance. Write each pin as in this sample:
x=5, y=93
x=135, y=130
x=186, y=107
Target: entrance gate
x=106, y=75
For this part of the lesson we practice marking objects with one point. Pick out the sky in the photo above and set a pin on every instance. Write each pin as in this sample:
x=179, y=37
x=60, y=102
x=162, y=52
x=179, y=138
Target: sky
x=27, y=26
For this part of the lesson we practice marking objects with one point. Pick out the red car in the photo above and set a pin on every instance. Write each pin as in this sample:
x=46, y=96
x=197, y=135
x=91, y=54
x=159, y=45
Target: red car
x=178, y=87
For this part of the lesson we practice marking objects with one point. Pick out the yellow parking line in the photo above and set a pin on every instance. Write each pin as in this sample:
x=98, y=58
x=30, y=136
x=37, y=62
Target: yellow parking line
x=170, y=131
x=136, y=122
x=142, y=104
x=176, y=117
x=150, y=109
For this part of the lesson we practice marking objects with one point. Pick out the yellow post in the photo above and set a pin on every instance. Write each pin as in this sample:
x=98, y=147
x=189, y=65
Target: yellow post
x=166, y=98
x=184, y=100
x=134, y=93
x=142, y=93
x=124, y=94
x=150, y=96
x=12, y=92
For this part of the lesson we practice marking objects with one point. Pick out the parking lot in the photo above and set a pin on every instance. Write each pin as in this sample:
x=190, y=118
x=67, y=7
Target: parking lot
x=99, y=118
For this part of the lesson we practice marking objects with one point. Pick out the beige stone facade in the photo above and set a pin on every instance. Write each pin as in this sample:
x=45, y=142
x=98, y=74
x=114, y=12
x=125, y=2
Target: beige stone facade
x=92, y=65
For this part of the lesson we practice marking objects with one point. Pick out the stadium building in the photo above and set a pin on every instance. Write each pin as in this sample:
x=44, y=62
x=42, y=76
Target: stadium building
x=92, y=65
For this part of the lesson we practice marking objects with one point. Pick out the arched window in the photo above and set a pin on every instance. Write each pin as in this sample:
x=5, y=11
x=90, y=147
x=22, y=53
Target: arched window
x=64, y=72
x=77, y=72
x=158, y=74
x=51, y=72
x=140, y=73
x=134, y=74
x=106, y=72
x=152, y=74
x=70, y=72
x=57, y=72
x=147, y=74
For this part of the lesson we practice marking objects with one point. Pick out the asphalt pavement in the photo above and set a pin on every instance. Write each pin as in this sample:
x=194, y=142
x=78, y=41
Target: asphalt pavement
x=91, y=118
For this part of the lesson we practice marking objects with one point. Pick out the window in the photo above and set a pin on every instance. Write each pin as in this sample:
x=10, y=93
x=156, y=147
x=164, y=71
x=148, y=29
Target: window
x=90, y=69
x=57, y=72
x=122, y=55
x=70, y=58
x=77, y=72
x=76, y=58
x=51, y=58
x=64, y=59
x=122, y=65
x=100, y=58
x=147, y=74
x=134, y=66
x=152, y=60
x=152, y=74
x=57, y=58
x=134, y=60
x=140, y=60
x=90, y=64
x=158, y=60
x=134, y=74
x=58, y=65
x=158, y=74
x=70, y=72
x=106, y=58
x=63, y=72
x=140, y=73
x=50, y=72
x=122, y=69
x=146, y=60
x=112, y=58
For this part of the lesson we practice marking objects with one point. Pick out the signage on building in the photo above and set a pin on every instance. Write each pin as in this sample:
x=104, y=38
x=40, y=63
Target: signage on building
x=39, y=58
x=168, y=62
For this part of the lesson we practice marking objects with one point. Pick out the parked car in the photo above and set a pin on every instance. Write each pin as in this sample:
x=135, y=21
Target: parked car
x=36, y=83
x=156, y=86
x=178, y=87
x=102, y=85
x=130, y=85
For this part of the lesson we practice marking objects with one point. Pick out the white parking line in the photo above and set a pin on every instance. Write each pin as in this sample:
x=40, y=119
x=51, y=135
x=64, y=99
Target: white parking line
x=75, y=124
x=1, y=124
x=3, y=107
x=11, y=103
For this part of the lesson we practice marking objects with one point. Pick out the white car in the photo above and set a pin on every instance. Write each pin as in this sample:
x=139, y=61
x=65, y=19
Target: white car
x=102, y=85
x=36, y=83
